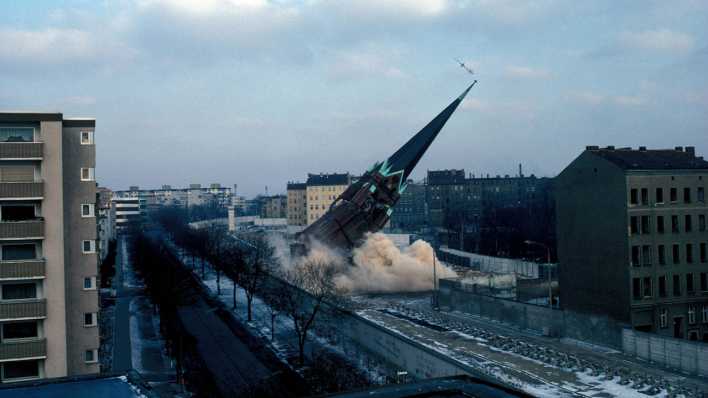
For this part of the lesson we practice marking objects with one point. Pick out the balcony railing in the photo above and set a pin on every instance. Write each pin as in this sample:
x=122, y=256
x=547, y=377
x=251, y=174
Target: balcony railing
x=20, y=150
x=23, y=349
x=19, y=269
x=22, y=229
x=21, y=309
x=19, y=190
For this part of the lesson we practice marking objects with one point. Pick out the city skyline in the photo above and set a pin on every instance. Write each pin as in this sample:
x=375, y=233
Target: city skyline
x=211, y=91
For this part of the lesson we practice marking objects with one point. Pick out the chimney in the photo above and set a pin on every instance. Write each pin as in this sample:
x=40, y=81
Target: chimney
x=611, y=147
x=691, y=150
x=592, y=148
x=678, y=149
x=642, y=148
x=521, y=172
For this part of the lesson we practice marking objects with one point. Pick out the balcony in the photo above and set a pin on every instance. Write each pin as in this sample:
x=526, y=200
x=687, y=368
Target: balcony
x=23, y=349
x=21, y=190
x=23, y=309
x=22, y=229
x=20, y=150
x=22, y=269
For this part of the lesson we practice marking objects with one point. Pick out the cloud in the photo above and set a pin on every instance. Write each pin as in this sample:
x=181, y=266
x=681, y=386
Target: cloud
x=591, y=98
x=663, y=40
x=363, y=64
x=525, y=72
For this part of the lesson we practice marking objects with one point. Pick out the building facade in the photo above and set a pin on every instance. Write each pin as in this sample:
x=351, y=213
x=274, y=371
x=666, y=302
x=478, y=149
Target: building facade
x=322, y=190
x=105, y=221
x=128, y=212
x=632, y=238
x=297, y=204
x=275, y=206
x=48, y=255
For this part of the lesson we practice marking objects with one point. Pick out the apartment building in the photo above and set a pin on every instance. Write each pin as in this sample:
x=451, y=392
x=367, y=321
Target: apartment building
x=275, y=206
x=128, y=211
x=322, y=190
x=632, y=238
x=48, y=260
x=297, y=203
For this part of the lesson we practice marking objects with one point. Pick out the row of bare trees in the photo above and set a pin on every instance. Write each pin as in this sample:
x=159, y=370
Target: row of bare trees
x=297, y=291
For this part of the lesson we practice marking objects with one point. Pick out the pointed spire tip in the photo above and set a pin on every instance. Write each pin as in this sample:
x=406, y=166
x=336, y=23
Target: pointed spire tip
x=464, y=93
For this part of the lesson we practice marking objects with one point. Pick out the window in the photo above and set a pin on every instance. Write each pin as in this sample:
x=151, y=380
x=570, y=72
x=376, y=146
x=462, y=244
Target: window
x=90, y=283
x=687, y=195
x=20, y=212
x=87, y=210
x=689, y=253
x=635, y=256
x=20, y=369
x=660, y=224
x=86, y=137
x=647, y=286
x=662, y=286
x=16, y=134
x=91, y=356
x=687, y=223
x=677, y=285
x=88, y=246
x=662, y=254
x=674, y=224
x=636, y=288
x=663, y=317
x=634, y=225
x=18, y=252
x=87, y=174
x=633, y=197
x=90, y=319
x=19, y=330
x=691, y=314
x=704, y=281
x=646, y=255
x=659, y=195
x=645, y=196
x=675, y=254
x=704, y=317
x=646, y=228
x=19, y=291
x=689, y=283
x=674, y=195
x=700, y=195
x=702, y=222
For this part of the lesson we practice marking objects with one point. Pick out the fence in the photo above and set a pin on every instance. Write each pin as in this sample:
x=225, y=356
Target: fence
x=686, y=356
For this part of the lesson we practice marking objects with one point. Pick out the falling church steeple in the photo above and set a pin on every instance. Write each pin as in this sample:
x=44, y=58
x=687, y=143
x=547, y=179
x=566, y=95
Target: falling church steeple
x=367, y=204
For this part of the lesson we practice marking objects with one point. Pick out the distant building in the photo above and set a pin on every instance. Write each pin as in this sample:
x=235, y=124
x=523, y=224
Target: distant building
x=275, y=206
x=48, y=258
x=106, y=220
x=410, y=213
x=297, y=203
x=322, y=191
x=632, y=238
x=128, y=212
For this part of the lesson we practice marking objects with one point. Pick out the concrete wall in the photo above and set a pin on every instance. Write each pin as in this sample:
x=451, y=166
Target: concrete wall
x=53, y=249
x=553, y=322
x=686, y=356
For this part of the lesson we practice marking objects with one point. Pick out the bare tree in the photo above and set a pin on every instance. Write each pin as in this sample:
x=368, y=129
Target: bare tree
x=272, y=295
x=216, y=236
x=258, y=264
x=312, y=284
x=233, y=263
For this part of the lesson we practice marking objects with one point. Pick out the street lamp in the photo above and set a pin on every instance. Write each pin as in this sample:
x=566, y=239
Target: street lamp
x=548, y=267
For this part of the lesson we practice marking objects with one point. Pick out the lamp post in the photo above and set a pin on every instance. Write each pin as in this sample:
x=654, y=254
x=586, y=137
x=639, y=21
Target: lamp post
x=548, y=267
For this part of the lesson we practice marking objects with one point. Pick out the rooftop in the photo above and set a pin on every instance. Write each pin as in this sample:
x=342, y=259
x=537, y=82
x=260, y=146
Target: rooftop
x=328, y=179
x=651, y=159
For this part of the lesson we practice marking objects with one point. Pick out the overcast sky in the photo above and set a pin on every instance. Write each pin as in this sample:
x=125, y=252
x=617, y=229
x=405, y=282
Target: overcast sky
x=259, y=92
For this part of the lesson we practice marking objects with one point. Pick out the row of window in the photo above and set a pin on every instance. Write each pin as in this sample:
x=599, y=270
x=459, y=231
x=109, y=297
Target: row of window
x=641, y=196
x=329, y=197
x=641, y=225
x=643, y=255
x=31, y=290
x=664, y=316
x=643, y=288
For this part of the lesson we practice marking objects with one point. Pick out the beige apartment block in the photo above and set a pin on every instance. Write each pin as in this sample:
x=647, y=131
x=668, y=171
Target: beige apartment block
x=322, y=191
x=297, y=203
x=48, y=249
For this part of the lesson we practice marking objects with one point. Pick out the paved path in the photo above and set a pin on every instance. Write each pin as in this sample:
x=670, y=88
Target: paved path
x=121, y=348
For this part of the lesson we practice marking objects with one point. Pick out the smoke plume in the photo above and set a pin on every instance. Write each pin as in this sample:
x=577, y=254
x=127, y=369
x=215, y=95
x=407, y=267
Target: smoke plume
x=380, y=267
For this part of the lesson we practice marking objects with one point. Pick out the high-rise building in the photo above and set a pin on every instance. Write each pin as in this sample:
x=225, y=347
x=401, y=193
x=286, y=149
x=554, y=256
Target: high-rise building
x=48, y=257
x=632, y=238
x=128, y=212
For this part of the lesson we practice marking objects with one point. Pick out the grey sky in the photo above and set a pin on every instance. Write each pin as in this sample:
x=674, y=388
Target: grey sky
x=258, y=93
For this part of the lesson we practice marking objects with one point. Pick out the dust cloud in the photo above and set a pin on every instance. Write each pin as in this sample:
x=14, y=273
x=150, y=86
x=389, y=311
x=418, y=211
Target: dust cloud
x=380, y=267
